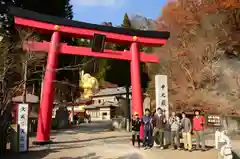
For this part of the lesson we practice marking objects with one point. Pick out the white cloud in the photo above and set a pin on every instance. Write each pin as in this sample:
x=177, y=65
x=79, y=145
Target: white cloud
x=107, y=3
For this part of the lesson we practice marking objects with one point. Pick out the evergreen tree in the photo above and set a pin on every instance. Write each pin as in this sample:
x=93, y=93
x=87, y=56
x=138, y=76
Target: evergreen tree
x=126, y=21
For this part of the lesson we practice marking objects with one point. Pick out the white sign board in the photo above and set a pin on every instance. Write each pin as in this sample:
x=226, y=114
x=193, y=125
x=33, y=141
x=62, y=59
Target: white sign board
x=23, y=127
x=161, y=88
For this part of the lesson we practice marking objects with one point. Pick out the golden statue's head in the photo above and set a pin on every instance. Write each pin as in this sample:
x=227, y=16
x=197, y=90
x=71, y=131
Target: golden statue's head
x=88, y=83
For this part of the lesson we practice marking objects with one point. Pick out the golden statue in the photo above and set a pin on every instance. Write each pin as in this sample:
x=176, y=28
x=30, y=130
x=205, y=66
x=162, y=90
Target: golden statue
x=88, y=83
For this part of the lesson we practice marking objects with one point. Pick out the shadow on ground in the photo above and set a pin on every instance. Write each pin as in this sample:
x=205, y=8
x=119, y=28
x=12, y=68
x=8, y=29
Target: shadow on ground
x=90, y=128
x=75, y=130
x=38, y=153
x=131, y=156
x=236, y=155
x=88, y=156
x=208, y=148
x=44, y=153
x=122, y=137
x=94, y=156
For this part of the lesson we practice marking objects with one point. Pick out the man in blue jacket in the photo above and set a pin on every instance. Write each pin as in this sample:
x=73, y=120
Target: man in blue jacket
x=148, y=128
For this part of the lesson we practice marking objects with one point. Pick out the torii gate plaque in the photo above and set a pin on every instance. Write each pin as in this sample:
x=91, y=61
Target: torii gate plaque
x=57, y=26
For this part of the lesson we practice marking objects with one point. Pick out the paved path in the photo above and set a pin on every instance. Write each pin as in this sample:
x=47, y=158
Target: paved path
x=95, y=142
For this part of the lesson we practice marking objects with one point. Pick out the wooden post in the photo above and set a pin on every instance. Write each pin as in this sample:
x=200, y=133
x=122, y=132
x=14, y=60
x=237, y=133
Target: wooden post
x=129, y=110
x=25, y=67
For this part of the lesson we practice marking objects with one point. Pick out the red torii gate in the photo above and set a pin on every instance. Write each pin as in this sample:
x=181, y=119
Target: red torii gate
x=57, y=26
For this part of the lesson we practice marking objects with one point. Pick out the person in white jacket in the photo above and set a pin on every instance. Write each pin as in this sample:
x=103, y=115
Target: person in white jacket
x=226, y=149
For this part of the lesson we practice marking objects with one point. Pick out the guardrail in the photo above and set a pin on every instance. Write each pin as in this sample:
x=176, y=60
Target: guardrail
x=223, y=144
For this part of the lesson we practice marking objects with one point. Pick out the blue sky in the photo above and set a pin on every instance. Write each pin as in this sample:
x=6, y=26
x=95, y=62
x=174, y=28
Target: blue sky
x=98, y=11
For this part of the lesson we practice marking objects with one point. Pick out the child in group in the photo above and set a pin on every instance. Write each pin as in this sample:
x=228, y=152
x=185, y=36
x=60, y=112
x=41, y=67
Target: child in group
x=136, y=124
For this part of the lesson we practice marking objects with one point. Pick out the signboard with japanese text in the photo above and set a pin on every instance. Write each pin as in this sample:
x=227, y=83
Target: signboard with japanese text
x=23, y=127
x=161, y=89
x=214, y=120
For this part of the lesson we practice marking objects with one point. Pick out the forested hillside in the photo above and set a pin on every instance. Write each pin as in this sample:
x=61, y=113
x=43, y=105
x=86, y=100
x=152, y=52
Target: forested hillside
x=201, y=58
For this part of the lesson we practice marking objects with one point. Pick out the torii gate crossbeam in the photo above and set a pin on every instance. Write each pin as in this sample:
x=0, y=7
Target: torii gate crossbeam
x=83, y=51
x=57, y=27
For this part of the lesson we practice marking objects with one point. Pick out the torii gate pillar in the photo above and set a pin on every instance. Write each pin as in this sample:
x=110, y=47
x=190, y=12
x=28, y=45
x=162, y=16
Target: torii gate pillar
x=137, y=104
x=135, y=80
x=45, y=112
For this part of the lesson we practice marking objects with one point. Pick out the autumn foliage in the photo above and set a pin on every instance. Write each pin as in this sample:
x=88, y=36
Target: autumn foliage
x=204, y=35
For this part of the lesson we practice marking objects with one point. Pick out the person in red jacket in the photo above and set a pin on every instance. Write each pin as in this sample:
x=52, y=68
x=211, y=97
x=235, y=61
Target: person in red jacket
x=198, y=128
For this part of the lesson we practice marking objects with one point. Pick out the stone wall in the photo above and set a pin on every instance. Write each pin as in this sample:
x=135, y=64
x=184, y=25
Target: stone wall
x=233, y=123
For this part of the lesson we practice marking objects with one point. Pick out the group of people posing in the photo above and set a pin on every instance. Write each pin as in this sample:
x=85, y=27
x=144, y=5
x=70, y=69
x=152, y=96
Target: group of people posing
x=156, y=124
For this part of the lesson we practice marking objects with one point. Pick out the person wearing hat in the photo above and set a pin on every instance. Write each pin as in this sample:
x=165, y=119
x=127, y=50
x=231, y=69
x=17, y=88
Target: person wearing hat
x=159, y=121
x=198, y=128
x=136, y=124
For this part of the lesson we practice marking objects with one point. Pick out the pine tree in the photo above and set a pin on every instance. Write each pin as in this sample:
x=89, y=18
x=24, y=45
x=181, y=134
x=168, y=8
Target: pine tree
x=126, y=21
